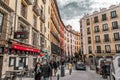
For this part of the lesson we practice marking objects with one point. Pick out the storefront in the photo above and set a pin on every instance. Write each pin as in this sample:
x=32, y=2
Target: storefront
x=19, y=56
x=55, y=52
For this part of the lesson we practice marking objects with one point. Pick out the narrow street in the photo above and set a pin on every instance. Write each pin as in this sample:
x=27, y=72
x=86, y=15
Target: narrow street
x=82, y=75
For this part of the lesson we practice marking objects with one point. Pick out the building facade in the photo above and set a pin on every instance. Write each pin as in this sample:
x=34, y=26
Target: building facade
x=24, y=33
x=100, y=33
x=62, y=26
x=71, y=42
x=55, y=31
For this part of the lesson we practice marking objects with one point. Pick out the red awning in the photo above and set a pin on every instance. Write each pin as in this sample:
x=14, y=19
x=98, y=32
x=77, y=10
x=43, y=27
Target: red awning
x=24, y=48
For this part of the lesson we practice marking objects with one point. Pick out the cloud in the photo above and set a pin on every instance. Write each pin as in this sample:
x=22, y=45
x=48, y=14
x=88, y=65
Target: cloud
x=72, y=10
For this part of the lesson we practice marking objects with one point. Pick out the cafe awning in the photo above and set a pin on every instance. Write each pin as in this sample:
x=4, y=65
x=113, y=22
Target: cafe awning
x=24, y=48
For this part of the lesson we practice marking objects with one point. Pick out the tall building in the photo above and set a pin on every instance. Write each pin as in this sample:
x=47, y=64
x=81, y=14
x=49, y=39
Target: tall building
x=55, y=31
x=100, y=33
x=71, y=42
x=62, y=27
x=24, y=33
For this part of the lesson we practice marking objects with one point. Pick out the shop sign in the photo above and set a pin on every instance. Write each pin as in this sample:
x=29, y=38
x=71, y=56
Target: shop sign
x=21, y=35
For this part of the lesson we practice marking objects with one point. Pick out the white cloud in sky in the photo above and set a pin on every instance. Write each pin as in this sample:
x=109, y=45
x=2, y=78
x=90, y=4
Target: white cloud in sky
x=72, y=10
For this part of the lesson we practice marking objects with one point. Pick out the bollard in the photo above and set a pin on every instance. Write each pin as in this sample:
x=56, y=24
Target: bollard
x=62, y=71
x=58, y=77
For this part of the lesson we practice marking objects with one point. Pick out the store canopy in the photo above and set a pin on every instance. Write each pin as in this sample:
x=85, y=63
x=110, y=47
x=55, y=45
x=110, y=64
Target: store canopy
x=24, y=48
x=45, y=51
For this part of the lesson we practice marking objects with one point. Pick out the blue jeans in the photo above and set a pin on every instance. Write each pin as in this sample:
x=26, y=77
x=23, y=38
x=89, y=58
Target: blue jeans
x=46, y=78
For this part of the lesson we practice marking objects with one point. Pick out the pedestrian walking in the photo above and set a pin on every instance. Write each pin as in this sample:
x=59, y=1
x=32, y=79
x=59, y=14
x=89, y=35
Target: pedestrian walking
x=55, y=67
x=46, y=70
x=70, y=67
x=51, y=65
x=38, y=71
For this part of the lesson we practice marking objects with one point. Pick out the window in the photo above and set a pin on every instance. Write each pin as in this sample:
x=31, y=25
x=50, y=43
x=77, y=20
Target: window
x=104, y=17
x=96, y=29
x=97, y=38
x=23, y=10
x=107, y=48
x=98, y=49
x=45, y=29
x=115, y=25
x=90, y=49
x=1, y=21
x=11, y=61
x=88, y=21
x=34, y=61
x=105, y=27
x=106, y=37
x=41, y=25
x=89, y=40
x=34, y=21
x=22, y=28
x=117, y=47
x=88, y=30
x=113, y=14
x=48, y=24
x=35, y=38
x=116, y=36
x=96, y=19
x=119, y=62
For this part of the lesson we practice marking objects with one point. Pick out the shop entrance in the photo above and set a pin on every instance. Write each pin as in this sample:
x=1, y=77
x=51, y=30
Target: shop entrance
x=1, y=63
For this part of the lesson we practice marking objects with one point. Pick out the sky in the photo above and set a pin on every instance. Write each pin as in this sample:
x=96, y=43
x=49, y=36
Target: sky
x=72, y=10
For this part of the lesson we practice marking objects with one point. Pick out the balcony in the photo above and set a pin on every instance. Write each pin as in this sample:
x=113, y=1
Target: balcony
x=98, y=41
x=89, y=42
x=116, y=39
x=117, y=51
x=44, y=1
x=112, y=17
x=106, y=29
x=104, y=19
x=115, y=27
x=90, y=52
x=29, y=2
x=88, y=23
x=88, y=32
x=96, y=31
x=37, y=9
x=106, y=40
x=99, y=51
x=42, y=17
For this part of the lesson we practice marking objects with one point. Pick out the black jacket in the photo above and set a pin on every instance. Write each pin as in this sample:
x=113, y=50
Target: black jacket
x=38, y=74
x=46, y=70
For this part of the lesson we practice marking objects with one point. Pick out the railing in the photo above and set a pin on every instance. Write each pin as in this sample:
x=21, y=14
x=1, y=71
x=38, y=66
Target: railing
x=114, y=16
x=117, y=39
x=115, y=27
x=106, y=29
x=98, y=41
x=105, y=51
x=89, y=42
x=96, y=31
x=107, y=40
x=88, y=32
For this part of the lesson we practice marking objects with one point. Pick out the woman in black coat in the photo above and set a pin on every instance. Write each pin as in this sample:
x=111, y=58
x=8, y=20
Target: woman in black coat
x=38, y=71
